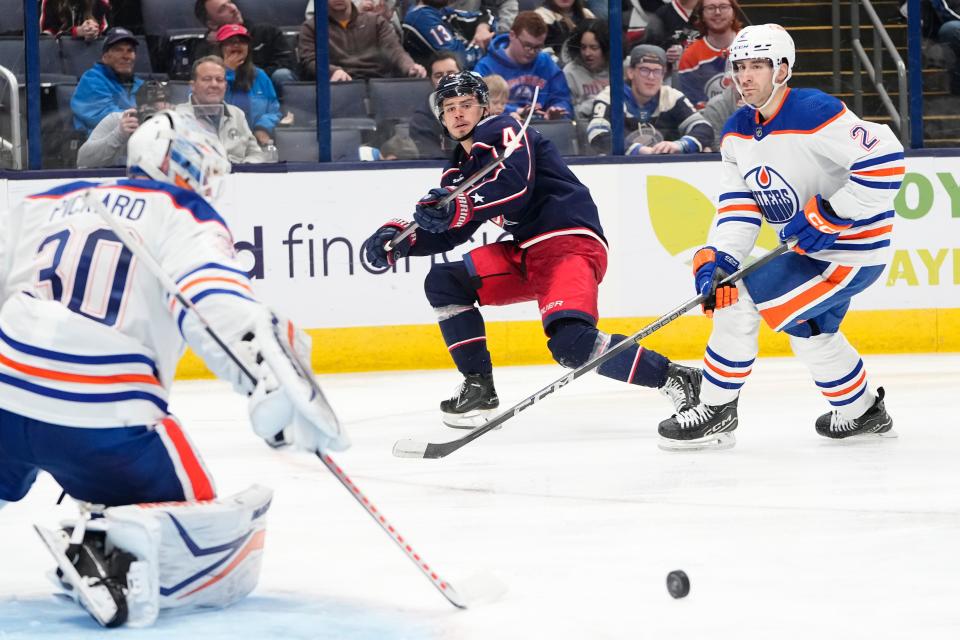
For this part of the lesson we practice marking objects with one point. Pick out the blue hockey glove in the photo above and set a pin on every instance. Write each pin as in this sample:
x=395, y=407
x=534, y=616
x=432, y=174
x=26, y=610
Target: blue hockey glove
x=816, y=227
x=709, y=268
x=435, y=219
x=375, y=246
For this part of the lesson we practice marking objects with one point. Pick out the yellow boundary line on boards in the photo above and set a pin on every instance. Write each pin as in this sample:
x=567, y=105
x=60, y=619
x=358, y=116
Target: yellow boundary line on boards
x=516, y=343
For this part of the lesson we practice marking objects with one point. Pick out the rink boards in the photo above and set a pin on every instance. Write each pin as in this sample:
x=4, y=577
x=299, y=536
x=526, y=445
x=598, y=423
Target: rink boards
x=300, y=234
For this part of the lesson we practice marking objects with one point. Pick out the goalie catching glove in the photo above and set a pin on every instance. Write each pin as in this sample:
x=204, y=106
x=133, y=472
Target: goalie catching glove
x=286, y=405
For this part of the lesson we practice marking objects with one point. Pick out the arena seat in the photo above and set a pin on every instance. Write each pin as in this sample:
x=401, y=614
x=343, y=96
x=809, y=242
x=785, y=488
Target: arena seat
x=279, y=13
x=562, y=133
x=300, y=144
x=395, y=99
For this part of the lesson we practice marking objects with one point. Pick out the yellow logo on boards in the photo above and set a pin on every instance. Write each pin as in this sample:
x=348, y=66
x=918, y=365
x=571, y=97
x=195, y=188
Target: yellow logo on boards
x=681, y=216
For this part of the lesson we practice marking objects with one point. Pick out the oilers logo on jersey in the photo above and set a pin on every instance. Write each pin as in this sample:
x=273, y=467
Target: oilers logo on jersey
x=778, y=200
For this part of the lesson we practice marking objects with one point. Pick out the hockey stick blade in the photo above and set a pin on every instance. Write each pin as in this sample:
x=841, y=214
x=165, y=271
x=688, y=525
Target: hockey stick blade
x=431, y=450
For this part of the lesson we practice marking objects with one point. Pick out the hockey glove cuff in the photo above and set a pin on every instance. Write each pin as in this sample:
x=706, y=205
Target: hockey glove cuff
x=709, y=268
x=375, y=249
x=433, y=218
x=816, y=228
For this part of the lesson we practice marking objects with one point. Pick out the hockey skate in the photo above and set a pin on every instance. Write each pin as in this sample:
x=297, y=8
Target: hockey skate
x=700, y=427
x=682, y=387
x=90, y=575
x=474, y=400
x=875, y=423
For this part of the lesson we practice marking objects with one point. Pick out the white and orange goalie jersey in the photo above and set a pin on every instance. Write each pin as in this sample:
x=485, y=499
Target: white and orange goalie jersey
x=812, y=145
x=88, y=337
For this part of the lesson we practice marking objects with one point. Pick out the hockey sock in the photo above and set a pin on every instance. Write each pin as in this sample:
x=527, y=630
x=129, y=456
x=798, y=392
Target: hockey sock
x=636, y=365
x=466, y=339
x=575, y=342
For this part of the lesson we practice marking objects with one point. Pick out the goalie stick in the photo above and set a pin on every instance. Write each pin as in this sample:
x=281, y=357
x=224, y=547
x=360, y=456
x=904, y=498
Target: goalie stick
x=409, y=448
x=512, y=146
x=144, y=256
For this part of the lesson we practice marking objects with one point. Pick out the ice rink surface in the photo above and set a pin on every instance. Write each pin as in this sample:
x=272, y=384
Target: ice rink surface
x=575, y=509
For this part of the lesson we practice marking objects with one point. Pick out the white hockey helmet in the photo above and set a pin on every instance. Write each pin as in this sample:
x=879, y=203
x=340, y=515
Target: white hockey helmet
x=766, y=42
x=174, y=148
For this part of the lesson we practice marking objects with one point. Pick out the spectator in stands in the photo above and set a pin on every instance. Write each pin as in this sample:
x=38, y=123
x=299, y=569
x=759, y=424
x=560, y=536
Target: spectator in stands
x=85, y=19
x=658, y=118
x=399, y=147
x=107, y=145
x=361, y=45
x=562, y=17
x=498, y=94
x=248, y=86
x=425, y=129
x=703, y=64
x=518, y=56
x=386, y=9
x=109, y=86
x=270, y=50
x=588, y=71
x=636, y=16
x=505, y=11
x=671, y=28
x=719, y=109
x=945, y=24
x=208, y=87
x=431, y=26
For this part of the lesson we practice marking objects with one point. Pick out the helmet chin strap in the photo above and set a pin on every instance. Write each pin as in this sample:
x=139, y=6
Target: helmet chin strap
x=773, y=91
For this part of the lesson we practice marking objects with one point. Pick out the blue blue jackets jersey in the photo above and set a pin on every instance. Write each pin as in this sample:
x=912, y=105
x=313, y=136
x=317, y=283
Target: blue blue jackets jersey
x=811, y=145
x=533, y=194
x=100, y=93
x=543, y=72
x=427, y=30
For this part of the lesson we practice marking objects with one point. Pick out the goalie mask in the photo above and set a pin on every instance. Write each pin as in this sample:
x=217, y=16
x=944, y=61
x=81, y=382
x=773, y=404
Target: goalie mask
x=452, y=85
x=174, y=148
x=763, y=42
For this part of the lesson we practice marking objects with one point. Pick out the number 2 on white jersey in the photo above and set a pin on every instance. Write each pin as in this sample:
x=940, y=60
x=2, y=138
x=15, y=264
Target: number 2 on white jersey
x=867, y=141
x=98, y=275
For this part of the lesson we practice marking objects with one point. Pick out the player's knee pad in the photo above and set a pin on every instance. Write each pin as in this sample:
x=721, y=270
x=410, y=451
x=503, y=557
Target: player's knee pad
x=188, y=554
x=449, y=284
x=574, y=342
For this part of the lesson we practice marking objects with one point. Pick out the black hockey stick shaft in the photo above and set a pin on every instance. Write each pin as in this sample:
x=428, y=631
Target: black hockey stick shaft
x=413, y=449
x=168, y=283
x=475, y=178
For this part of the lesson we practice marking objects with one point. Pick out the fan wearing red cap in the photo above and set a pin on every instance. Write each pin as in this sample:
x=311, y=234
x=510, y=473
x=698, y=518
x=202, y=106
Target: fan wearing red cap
x=249, y=87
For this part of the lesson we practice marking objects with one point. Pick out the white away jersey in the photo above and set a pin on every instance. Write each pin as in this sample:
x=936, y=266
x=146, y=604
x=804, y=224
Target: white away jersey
x=88, y=337
x=812, y=145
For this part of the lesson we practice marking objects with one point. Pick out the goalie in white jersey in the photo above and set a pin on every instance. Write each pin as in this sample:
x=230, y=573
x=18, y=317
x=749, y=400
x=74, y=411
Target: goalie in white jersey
x=89, y=340
x=801, y=161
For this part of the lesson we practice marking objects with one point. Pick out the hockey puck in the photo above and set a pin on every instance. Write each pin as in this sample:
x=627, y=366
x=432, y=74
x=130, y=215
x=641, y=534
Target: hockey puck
x=678, y=584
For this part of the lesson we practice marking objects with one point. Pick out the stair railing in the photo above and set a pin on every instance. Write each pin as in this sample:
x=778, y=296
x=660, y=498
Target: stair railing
x=861, y=61
x=14, y=145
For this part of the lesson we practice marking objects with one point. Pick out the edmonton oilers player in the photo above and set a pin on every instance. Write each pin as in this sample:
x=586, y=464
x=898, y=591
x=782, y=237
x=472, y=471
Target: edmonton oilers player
x=89, y=341
x=800, y=160
x=557, y=256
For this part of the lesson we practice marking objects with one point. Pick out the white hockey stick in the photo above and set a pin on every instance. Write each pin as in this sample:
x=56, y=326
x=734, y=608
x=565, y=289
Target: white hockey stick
x=512, y=146
x=144, y=256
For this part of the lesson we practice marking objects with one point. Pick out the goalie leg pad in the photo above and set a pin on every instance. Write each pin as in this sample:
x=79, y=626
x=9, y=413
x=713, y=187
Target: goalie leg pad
x=177, y=554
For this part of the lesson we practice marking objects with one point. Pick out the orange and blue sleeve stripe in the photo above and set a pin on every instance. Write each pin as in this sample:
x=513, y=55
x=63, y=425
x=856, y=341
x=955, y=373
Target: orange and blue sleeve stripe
x=738, y=206
x=882, y=172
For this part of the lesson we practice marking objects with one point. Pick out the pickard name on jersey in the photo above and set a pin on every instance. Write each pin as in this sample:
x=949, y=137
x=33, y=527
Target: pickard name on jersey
x=88, y=336
x=812, y=145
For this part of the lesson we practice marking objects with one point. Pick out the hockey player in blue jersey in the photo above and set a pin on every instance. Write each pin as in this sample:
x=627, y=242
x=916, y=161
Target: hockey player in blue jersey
x=800, y=161
x=557, y=256
x=431, y=26
x=89, y=341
